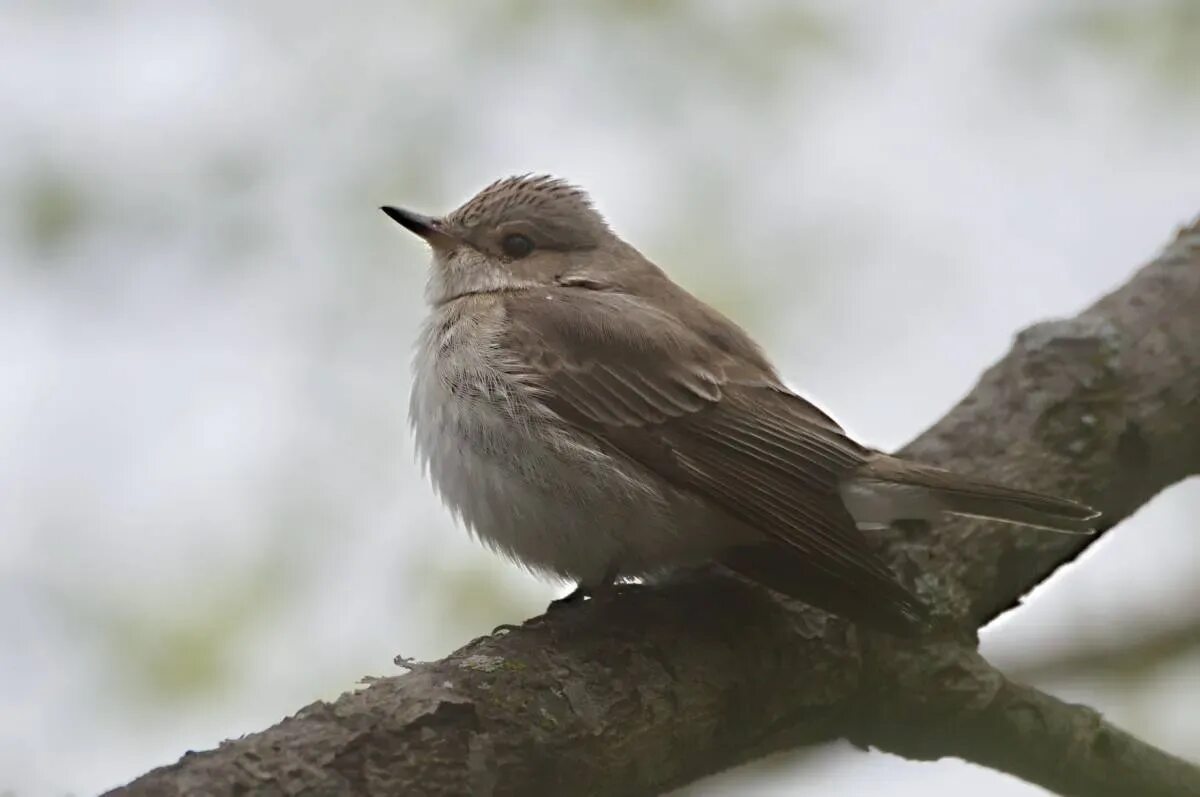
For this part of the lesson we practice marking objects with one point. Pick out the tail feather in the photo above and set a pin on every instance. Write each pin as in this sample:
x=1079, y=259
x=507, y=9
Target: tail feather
x=943, y=491
x=884, y=606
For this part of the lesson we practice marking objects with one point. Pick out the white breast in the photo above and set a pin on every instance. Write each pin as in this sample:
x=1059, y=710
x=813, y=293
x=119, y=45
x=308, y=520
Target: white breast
x=517, y=476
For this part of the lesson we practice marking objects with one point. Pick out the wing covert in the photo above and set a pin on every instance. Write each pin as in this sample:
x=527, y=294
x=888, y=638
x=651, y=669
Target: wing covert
x=699, y=416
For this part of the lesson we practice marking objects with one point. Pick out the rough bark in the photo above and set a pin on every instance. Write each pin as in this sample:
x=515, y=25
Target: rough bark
x=669, y=683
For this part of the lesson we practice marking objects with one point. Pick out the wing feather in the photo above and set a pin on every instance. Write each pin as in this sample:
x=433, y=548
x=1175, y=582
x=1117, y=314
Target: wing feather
x=636, y=378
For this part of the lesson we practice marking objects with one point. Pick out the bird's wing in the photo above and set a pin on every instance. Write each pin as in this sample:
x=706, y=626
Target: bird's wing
x=704, y=417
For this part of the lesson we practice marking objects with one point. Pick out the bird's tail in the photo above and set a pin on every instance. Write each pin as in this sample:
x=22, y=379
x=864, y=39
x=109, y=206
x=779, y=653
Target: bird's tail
x=881, y=603
x=913, y=490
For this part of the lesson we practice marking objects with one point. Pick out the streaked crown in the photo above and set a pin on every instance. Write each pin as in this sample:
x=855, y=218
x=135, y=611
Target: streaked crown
x=559, y=215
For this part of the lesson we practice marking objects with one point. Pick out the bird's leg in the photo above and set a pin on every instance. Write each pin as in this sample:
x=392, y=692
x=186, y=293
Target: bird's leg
x=603, y=589
x=577, y=596
x=586, y=590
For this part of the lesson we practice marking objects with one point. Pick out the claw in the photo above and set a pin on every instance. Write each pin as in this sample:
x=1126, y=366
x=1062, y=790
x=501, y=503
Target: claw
x=577, y=596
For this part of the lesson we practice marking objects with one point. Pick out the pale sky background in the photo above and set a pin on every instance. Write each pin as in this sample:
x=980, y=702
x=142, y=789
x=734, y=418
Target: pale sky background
x=209, y=510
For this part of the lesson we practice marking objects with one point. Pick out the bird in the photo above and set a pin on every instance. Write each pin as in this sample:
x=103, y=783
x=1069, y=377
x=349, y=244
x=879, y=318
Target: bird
x=590, y=419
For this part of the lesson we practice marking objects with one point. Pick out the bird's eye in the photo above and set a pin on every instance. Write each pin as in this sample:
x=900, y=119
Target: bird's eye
x=516, y=245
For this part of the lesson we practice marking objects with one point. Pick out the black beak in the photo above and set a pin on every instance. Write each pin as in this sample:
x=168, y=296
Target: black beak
x=423, y=226
x=427, y=227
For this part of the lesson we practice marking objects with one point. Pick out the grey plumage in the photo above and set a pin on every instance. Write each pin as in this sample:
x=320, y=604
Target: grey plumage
x=588, y=417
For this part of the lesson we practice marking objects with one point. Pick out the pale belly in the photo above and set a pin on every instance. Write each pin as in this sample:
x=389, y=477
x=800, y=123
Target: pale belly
x=527, y=488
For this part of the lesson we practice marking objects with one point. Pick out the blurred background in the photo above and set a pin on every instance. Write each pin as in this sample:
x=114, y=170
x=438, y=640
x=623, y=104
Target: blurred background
x=209, y=510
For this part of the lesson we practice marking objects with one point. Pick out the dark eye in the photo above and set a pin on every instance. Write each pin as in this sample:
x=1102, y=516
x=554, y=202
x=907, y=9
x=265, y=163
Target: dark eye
x=516, y=245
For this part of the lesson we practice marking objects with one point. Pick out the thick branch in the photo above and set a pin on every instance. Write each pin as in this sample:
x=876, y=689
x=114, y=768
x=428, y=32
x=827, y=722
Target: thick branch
x=670, y=683
x=967, y=709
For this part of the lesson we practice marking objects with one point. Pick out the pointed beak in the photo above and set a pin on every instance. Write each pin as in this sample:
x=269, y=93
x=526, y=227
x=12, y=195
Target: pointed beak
x=427, y=227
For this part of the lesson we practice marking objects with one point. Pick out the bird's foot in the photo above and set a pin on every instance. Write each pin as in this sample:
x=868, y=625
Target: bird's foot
x=578, y=597
x=604, y=589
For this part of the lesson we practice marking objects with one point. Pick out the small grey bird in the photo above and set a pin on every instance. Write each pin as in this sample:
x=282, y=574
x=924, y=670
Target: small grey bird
x=592, y=420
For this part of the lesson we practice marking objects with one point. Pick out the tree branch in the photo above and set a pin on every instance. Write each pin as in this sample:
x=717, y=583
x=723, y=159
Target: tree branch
x=967, y=709
x=676, y=681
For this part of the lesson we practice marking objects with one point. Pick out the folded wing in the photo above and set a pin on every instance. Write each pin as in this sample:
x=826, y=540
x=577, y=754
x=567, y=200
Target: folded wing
x=713, y=422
